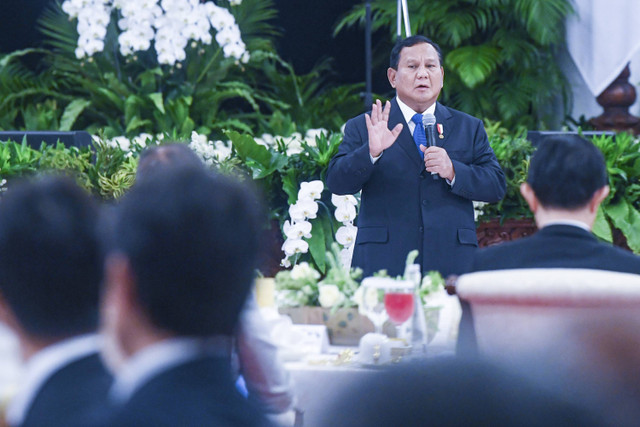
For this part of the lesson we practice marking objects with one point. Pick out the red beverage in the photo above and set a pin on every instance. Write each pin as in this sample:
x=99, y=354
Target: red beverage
x=399, y=306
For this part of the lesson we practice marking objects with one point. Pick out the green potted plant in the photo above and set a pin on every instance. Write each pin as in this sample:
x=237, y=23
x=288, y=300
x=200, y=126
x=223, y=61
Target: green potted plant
x=510, y=218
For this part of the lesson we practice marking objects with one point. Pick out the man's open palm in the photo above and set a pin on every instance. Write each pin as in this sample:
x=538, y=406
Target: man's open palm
x=380, y=137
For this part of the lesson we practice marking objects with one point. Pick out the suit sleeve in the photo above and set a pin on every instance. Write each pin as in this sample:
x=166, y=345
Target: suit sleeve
x=351, y=168
x=482, y=179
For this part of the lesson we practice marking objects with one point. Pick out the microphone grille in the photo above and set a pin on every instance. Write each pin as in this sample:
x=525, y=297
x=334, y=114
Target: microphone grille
x=428, y=120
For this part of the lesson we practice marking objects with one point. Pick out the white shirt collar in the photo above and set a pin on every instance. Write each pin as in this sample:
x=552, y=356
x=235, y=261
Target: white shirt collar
x=42, y=365
x=408, y=113
x=572, y=222
x=154, y=359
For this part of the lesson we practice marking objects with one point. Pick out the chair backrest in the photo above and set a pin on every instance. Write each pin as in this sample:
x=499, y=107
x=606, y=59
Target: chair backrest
x=523, y=311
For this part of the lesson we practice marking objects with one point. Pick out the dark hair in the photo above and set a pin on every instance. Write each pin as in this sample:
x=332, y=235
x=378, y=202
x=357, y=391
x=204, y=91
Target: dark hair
x=192, y=238
x=565, y=171
x=50, y=260
x=172, y=154
x=394, y=57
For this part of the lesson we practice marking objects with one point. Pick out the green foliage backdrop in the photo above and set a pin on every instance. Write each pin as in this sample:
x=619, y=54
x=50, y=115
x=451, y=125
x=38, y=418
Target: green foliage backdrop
x=499, y=55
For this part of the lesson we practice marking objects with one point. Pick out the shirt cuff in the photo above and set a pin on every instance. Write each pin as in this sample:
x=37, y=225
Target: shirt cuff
x=453, y=181
x=375, y=159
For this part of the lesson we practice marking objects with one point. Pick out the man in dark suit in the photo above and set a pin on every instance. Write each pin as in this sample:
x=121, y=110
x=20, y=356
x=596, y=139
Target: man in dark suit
x=567, y=181
x=182, y=261
x=50, y=274
x=402, y=206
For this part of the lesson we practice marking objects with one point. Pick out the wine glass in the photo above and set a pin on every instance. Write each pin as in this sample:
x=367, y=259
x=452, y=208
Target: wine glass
x=371, y=301
x=399, y=301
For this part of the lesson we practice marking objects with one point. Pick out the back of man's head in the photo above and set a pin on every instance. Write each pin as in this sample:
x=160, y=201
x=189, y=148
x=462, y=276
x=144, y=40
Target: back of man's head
x=565, y=172
x=192, y=239
x=50, y=263
x=171, y=154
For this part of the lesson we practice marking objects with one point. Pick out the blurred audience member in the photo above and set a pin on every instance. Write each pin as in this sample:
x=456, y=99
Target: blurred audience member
x=567, y=181
x=452, y=392
x=50, y=274
x=178, y=275
x=255, y=354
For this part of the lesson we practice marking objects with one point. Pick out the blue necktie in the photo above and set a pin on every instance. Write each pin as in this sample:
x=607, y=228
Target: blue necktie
x=419, y=136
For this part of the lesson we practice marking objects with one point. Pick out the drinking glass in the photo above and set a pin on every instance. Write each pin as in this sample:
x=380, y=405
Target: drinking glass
x=371, y=303
x=399, y=303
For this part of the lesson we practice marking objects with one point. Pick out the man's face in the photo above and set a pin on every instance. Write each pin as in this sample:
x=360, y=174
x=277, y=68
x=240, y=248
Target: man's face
x=419, y=77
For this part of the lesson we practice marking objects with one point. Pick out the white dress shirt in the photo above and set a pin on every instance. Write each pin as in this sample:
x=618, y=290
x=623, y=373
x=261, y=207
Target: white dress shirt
x=572, y=222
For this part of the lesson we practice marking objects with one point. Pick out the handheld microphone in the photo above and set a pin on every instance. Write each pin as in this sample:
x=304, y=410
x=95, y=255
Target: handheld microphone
x=429, y=123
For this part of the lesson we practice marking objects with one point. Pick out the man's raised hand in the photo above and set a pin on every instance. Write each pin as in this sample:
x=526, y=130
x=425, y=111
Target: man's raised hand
x=380, y=137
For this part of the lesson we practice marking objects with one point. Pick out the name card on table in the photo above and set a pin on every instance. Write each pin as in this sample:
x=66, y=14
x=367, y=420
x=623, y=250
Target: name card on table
x=313, y=338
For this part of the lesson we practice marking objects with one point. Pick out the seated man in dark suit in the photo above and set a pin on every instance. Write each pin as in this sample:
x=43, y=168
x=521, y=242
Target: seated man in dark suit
x=265, y=380
x=180, y=269
x=50, y=274
x=567, y=181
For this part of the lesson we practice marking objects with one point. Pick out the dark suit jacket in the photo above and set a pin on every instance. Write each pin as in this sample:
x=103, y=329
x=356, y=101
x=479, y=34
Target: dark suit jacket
x=69, y=392
x=554, y=246
x=197, y=393
x=402, y=208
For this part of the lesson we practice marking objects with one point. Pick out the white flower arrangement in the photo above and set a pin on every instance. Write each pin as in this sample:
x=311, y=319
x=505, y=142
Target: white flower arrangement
x=169, y=24
x=129, y=146
x=210, y=151
x=293, y=142
x=299, y=227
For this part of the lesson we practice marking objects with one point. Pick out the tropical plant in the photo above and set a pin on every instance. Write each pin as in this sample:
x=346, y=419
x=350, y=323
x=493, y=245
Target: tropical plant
x=621, y=209
x=102, y=169
x=311, y=102
x=513, y=152
x=499, y=55
x=125, y=92
x=121, y=83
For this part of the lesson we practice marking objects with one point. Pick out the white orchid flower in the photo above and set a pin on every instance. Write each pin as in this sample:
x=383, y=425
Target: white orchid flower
x=303, y=209
x=295, y=246
x=345, y=213
x=285, y=262
x=346, y=199
x=297, y=230
x=346, y=235
x=310, y=190
x=294, y=146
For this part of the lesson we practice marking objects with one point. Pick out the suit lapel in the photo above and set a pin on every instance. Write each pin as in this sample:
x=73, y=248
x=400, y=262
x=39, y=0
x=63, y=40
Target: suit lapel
x=443, y=118
x=405, y=140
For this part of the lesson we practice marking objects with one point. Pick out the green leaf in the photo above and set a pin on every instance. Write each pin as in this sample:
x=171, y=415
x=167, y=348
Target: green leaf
x=156, y=98
x=111, y=96
x=290, y=185
x=248, y=148
x=474, y=64
x=136, y=122
x=626, y=218
x=317, y=246
x=601, y=227
x=71, y=113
